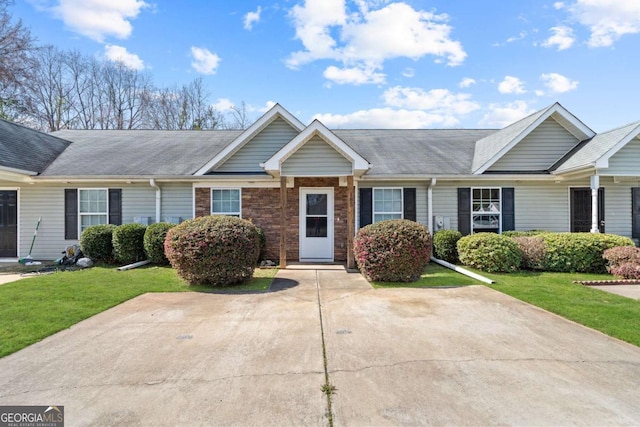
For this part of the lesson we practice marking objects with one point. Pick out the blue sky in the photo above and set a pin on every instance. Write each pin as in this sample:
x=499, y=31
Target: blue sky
x=372, y=63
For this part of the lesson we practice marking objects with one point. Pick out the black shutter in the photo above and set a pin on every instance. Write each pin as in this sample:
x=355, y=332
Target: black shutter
x=635, y=212
x=115, y=206
x=508, y=209
x=70, y=213
x=366, y=206
x=464, y=211
x=409, y=208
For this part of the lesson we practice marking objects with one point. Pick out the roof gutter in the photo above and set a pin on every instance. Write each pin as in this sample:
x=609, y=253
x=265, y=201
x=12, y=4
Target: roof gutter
x=152, y=183
x=18, y=171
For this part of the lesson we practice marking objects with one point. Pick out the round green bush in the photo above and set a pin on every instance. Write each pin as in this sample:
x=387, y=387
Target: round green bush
x=213, y=250
x=445, y=245
x=263, y=243
x=392, y=251
x=530, y=233
x=579, y=252
x=489, y=252
x=96, y=242
x=154, y=242
x=128, y=243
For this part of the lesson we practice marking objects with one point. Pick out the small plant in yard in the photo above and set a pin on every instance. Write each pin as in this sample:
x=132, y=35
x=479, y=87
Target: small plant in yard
x=214, y=250
x=623, y=261
x=445, y=245
x=393, y=250
x=489, y=252
x=154, y=242
x=532, y=249
x=579, y=252
x=96, y=242
x=128, y=243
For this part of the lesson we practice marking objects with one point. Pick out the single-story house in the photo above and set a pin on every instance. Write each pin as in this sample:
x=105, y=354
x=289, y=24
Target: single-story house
x=310, y=188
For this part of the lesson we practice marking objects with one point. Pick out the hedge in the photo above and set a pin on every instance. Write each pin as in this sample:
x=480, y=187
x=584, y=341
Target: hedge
x=579, y=252
x=154, y=242
x=489, y=252
x=96, y=242
x=128, y=243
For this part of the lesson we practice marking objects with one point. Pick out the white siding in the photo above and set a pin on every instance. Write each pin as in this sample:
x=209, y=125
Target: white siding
x=422, y=215
x=177, y=200
x=539, y=150
x=264, y=145
x=316, y=158
x=626, y=161
x=137, y=200
x=617, y=208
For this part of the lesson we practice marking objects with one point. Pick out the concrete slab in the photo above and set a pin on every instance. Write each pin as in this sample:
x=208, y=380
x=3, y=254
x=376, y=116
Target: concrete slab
x=466, y=356
x=8, y=278
x=471, y=356
x=629, y=291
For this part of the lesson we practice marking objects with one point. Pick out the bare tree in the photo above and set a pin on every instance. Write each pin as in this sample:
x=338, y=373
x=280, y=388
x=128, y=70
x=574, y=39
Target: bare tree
x=15, y=44
x=240, y=117
x=125, y=90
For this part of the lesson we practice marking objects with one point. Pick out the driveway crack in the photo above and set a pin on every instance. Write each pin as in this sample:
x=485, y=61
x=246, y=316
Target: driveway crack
x=327, y=388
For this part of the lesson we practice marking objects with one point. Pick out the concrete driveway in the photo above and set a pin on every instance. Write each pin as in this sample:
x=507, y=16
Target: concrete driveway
x=464, y=356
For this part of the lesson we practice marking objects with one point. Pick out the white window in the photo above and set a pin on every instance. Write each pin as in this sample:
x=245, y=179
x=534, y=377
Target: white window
x=226, y=202
x=485, y=210
x=94, y=207
x=387, y=204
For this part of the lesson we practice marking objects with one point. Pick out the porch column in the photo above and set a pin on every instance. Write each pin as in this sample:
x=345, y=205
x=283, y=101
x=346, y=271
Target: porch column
x=350, y=222
x=283, y=222
x=595, y=184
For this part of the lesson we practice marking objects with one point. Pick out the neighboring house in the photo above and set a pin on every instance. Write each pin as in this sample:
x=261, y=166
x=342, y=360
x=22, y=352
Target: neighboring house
x=311, y=188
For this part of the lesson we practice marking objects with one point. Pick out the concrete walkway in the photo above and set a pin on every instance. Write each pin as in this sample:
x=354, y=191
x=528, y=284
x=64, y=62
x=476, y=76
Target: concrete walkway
x=462, y=356
x=7, y=278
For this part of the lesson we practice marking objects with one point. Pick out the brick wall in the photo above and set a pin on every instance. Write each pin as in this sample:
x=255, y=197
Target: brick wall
x=262, y=207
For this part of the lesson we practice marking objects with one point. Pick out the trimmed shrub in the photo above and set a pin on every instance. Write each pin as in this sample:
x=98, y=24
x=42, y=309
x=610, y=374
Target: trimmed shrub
x=263, y=242
x=530, y=233
x=489, y=252
x=627, y=270
x=96, y=242
x=128, y=243
x=154, y=242
x=395, y=250
x=579, y=252
x=214, y=250
x=445, y=245
x=532, y=249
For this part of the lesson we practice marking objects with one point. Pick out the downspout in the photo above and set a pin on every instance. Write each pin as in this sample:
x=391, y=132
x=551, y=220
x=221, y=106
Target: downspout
x=430, y=204
x=152, y=183
x=595, y=185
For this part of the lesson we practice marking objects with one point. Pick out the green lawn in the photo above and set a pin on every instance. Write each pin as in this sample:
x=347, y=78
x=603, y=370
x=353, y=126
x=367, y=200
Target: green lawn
x=434, y=276
x=34, y=308
x=611, y=314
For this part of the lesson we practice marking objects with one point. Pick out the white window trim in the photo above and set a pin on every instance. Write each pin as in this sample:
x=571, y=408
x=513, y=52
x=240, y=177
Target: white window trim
x=80, y=214
x=499, y=213
x=211, y=189
x=373, y=203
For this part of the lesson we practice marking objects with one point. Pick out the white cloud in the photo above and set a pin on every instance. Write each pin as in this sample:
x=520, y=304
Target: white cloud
x=409, y=72
x=120, y=54
x=98, y=19
x=356, y=75
x=204, y=61
x=521, y=35
x=386, y=118
x=466, y=82
x=608, y=20
x=440, y=101
x=501, y=115
x=511, y=84
x=558, y=83
x=562, y=38
x=223, y=105
x=366, y=37
x=252, y=18
x=558, y=5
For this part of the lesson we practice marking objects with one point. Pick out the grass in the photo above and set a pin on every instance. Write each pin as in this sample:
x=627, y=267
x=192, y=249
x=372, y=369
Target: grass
x=434, y=276
x=34, y=308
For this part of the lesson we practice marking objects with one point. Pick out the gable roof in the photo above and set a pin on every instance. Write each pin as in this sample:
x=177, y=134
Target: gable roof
x=491, y=148
x=137, y=152
x=27, y=151
x=597, y=151
x=268, y=117
x=360, y=164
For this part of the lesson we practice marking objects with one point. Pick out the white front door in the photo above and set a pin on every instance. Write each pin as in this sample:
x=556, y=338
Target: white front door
x=316, y=224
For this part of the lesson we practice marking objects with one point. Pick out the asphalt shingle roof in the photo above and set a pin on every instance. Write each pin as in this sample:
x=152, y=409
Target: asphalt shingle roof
x=415, y=152
x=137, y=152
x=26, y=149
x=598, y=146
